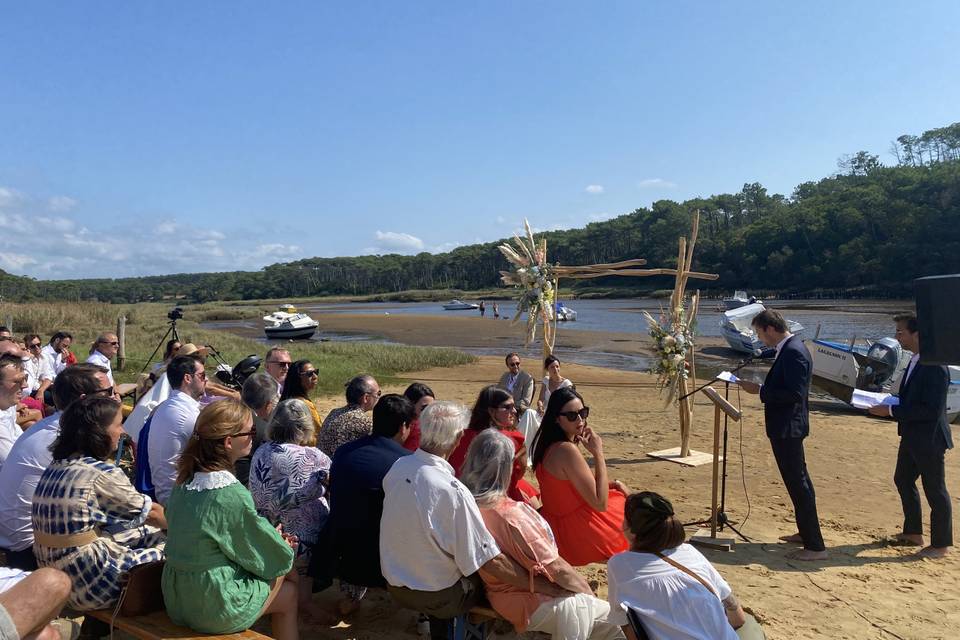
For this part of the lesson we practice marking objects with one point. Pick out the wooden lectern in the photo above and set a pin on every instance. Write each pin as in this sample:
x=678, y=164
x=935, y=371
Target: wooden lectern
x=720, y=407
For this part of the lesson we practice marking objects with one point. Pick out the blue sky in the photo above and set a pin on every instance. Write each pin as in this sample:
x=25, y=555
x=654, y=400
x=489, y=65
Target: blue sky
x=158, y=137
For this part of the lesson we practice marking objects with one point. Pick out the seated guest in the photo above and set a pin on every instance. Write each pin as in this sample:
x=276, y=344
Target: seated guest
x=30, y=457
x=52, y=363
x=145, y=381
x=496, y=408
x=260, y=394
x=172, y=423
x=356, y=497
x=88, y=520
x=420, y=395
x=226, y=565
x=33, y=365
x=103, y=351
x=551, y=382
x=583, y=509
x=12, y=379
x=433, y=541
x=277, y=363
x=299, y=385
x=517, y=382
x=526, y=537
x=674, y=589
x=287, y=481
x=29, y=601
x=352, y=421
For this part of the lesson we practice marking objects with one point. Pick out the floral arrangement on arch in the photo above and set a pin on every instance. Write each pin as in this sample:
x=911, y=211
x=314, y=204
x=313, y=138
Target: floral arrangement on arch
x=672, y=341
x=537, y=281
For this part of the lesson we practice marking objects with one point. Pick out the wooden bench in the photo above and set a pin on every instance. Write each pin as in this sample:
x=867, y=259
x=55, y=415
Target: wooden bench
x=158, y=626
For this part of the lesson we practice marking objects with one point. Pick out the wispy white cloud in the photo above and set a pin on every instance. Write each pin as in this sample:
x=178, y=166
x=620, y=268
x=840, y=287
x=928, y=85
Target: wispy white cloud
x=61, y=204
x=594, y=188
x=71, y=249
x=397, y=242
x=656, y=183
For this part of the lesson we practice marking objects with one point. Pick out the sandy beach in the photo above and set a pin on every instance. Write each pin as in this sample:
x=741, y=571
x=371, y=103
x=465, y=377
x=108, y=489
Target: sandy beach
x=866, y=589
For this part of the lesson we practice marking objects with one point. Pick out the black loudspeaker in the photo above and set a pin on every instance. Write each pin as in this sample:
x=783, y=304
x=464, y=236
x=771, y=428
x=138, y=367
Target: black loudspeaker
x=938, y=317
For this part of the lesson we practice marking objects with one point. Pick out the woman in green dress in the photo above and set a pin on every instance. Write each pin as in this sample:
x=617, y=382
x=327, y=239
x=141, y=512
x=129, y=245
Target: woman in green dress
x=226, y=566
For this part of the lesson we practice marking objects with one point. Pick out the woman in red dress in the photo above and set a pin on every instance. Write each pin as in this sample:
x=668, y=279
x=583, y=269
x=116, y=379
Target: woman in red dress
x=583, y=508
x=495, y=408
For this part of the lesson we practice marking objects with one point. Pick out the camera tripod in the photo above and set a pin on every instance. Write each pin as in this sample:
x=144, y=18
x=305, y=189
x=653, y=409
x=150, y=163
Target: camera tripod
x=171, y=333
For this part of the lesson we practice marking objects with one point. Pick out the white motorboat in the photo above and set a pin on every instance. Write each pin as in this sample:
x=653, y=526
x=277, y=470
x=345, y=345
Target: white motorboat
x=736, y=329
x=739, y=299
x=565, y=313
x=288, y=324
x=460, y=305
x=877, y=366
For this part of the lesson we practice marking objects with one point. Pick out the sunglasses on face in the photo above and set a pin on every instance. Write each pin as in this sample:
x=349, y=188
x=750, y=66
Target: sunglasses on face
x=244, y=434
x=282, y=365
x=33, y=346
x=106, y=391
x=114, y=343
x=513, y=364
x=573, y=415
x=310, y=374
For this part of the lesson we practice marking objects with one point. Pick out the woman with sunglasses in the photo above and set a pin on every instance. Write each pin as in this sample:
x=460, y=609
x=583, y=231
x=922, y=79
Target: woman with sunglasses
x=583, y=508
x=496, y=408
x=301, y=380
x=226, y=565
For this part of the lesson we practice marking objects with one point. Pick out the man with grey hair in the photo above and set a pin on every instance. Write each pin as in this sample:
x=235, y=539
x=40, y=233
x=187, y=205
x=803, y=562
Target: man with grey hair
x=12, y=380
x=350, y=422
x=103, y=351
x=260, y=393
x=433, y=541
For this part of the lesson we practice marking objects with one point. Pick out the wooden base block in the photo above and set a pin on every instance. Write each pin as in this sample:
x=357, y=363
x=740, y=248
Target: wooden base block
x=695, y=459
x=702, y=538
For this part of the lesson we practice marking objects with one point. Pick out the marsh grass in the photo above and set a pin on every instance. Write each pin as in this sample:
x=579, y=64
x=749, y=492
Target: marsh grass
x=147, y=325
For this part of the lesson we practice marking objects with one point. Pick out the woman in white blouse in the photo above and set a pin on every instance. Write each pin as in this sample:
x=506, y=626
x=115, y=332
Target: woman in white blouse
x=551, y=382
x=672, y=587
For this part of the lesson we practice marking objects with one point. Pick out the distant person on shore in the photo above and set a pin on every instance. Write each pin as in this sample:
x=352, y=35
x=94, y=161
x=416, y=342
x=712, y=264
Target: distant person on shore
x=551, y=382
x=674, y=589
x=103, y=351
x=584, y=509
x=924, y=439
x=277, y=363
x=352, y=421
x=421, y=396
x=483, y=308
x=784, y=395
x=496, y=311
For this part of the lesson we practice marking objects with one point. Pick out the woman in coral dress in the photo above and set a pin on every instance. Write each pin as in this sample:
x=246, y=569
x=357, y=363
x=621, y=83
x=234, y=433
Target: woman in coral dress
x=583, y=508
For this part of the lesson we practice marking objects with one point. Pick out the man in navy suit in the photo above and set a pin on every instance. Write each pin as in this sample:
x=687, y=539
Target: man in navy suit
x=924, y=439
x=784, y=395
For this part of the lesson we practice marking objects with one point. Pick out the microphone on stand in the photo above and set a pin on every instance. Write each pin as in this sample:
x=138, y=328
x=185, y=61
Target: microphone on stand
x=759, y=354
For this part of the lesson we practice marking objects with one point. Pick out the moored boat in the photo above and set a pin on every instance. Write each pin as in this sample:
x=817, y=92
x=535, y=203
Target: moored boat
x=736, y=329
x=288, y=324
x=460, y=305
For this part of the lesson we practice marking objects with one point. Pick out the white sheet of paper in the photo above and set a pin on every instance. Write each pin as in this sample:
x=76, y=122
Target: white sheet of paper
x=726, y=376
x=866, y=399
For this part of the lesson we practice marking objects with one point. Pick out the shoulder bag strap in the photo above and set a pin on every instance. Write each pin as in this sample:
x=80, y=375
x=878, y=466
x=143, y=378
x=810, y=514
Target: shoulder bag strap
x=690, y=573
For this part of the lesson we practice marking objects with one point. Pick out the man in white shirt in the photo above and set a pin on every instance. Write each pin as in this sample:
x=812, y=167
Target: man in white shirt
x=12, y=380
x=432, y=537
x=30, y=457
x=33, y=363
x=103, y=351
x=173, y=421
x=51, y=360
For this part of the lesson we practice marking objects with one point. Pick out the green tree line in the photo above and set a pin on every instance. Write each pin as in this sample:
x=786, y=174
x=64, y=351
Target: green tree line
x=868, y=229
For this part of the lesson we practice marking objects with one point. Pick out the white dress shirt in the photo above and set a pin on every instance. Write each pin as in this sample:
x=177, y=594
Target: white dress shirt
x=32, y=366
x=28, y=459
x=51, y=363
x=9, y=432
x=431, y=531
x=171, y=427
x=98, y=358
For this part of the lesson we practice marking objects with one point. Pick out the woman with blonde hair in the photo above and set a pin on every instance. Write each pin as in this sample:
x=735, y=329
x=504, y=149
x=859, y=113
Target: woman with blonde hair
x=226, y=565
